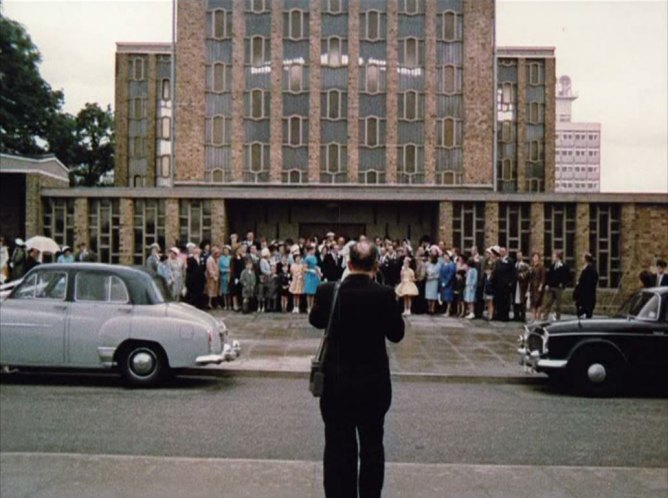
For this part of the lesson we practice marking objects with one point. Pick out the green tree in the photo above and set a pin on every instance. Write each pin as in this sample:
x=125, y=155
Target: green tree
x=92, y=154
x=28, y=105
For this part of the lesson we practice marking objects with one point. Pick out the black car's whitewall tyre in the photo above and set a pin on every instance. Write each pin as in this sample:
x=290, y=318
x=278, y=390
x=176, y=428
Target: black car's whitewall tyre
x=597, y=372
x=143, y=365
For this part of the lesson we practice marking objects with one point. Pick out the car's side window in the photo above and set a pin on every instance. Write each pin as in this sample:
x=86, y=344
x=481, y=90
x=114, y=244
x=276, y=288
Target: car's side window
x=651, y=309
x=26, y=289
x=90, y=287
x=51, y=285
x=118, y=293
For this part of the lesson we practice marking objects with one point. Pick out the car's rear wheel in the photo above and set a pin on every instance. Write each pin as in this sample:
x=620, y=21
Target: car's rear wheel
x=143, y=365
x=597, y=372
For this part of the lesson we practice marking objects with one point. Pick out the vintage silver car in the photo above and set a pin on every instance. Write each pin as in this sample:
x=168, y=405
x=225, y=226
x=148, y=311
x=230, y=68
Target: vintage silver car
x=87, y=315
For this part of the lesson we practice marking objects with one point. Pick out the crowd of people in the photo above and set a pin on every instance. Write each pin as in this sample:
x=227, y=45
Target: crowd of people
x=256, y=274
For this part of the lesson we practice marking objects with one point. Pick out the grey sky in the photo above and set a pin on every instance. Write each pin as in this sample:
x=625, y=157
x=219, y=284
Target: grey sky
x=615, y=52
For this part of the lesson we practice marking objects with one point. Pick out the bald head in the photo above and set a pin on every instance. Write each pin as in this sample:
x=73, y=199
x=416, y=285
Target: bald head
x=363, y=257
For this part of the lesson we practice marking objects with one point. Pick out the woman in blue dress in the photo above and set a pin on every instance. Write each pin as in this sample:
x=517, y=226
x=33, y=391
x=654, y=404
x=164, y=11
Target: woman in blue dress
x=432, y=272
x=224, y=263
x=446, y=282
x=312, y=278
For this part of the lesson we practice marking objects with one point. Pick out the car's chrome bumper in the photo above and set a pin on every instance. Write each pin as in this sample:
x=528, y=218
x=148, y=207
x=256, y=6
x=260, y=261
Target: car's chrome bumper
x=230, y=352
x=209, y=359
x=533, y=360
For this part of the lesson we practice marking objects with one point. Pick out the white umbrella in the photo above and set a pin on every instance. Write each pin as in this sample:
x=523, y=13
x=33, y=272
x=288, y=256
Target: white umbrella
x=42, y=244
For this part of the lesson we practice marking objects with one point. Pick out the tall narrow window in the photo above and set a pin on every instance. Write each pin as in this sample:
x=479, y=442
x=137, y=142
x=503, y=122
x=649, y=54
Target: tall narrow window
x=535, y=73
x=372, y=25
x=449, y=80
x=334, y=51
x=257, y=6
x=410, y=159
x=296, y=30
x=534, y=112
x=450, y=26
x=507, y=170
x=372, y=132
x=256, y=157
x=535, y=150
x=257, y=104
x=410, y=103
x=164, y=166
x=137, y=69
x=410, y=6
x=221, y=24
x=333, y=158
x=506, y=131
x=257, y=51
x=217, y=176
x=165, y=89
x=334, y=104
x=218, y=77
x=295, y=78
x=411, y=58
x=449, y=133
x=372, y=78
x=218, y=130
x=507, y=93
x=334, y=6
x=295, y=131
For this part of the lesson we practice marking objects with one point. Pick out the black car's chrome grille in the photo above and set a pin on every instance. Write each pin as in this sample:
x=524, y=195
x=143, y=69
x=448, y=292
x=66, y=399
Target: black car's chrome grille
x=535, y=343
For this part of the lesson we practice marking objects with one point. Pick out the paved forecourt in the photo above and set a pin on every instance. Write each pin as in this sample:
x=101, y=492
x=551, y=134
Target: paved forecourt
x=433, y=346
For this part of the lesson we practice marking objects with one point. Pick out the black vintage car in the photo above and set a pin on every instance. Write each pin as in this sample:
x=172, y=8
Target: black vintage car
x=597, y=356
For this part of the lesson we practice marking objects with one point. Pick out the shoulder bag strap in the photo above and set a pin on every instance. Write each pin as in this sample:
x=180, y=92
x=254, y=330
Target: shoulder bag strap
x=322, y=350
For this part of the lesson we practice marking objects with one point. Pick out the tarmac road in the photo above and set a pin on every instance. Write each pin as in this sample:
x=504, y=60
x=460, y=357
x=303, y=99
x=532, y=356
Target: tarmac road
x=277, y=419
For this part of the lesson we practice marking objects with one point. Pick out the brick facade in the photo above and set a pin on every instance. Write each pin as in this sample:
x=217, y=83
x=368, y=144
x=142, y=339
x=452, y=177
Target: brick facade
x=491, y=223
x=126, y=231
x=353, y=92
x=581, y=232
x=238, y=87
x=478, y=71
x=81, y=232
x=219, y=222
x=445, y=213
x=121, y=121
x=392, y=88
x=190, y=91
x=550, y=123
x=537, y=224
x=430, y=94
x=171, y=221
x=276, y=120
x=314, y=93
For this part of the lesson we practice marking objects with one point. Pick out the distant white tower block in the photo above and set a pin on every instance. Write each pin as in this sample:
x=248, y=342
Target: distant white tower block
x=578, y=146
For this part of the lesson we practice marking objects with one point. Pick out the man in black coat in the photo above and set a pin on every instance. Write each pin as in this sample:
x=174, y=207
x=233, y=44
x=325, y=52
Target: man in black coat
x=584, y=294
x=661, y=275
x=357, y=392
x=503, y=279
x=557, y=278
x=332, y=265
x=195, y=277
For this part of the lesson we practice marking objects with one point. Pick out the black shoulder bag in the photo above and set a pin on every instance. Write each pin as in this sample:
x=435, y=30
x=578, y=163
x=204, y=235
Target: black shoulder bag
x=316, y=382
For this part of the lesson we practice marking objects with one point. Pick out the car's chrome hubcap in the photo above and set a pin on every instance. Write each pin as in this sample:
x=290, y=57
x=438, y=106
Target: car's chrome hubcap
x=142, y=363
x=596, y=373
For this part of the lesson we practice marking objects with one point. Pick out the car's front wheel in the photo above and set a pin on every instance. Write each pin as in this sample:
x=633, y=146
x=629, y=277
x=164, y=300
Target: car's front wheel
x=143, y=365
x=597, y=372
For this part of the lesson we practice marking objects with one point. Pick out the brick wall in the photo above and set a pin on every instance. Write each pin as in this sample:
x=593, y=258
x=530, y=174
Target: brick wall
x=550, y=123
x=537, y=224
x=126, y=231
x=172, y=227
x=121, y=121
x=392, y=88
x=478, y=92
x=276, y=121
x=445, y=213
x=190, y=91
x=491, y=223
x=238, y=84
x=315, y=81
x=353, y=91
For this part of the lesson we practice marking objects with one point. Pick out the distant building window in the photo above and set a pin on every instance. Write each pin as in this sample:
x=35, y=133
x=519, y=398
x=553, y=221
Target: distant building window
x=371, y=26
x=408, y=105
x=507, y=170
x=137, y=69
x=165, y=168
x=296, y=78
x=295, y=131
x=410, y=159
x=165, y=128
x=295, y=25
x=410, y=7
x=221, y=24
x=165, y=89
x=259, y=104
x=333, y=110
x=371, y=132
x=450, y=85
x=411, y=52
x=256, y=157
x=535, y=73
x=448, y=133
x=507, y=93
x=333, y=55
x=137, y=108
x=138, y=146
x=451, y=28
x=219, y=80
x=138, y=181
x=535, y=113
x=259, y=50
x=218, y=130
x=333, y=158
x=217, y=176
x=372, y=78
x=257, y=6
x=507, y=131
x=334, y=6
x=535, y=151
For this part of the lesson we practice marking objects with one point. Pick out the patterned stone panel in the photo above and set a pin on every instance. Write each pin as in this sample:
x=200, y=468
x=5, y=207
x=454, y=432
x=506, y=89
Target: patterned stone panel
x=219, y=226
x=81, y=233
x=172, y=227
x=353, y=91
x=238, y=86
x=276, y=120
x=521, y=126
x=126, y=231
x=550, y=123
x=581, y=232
x=537, y=238
x=315, y=83
x=392, y=88
x=121, y=121
x=478, y=92
x=491, y=223
x=190, y=91
x=430, y=94
x=152, y=113
x=445, y=214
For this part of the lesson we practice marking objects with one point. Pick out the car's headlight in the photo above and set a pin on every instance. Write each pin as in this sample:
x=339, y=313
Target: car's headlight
x=546, y=337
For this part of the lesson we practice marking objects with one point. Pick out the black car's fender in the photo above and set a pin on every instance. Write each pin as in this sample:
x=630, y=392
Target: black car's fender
x=596, y=343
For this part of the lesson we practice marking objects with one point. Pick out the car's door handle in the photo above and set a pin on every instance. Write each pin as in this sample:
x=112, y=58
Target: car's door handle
x=125, y=310
x=61, y=307
x=658, y=332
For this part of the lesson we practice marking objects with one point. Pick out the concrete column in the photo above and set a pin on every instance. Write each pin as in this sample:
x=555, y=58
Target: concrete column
x=238, y=135
x=445, y=227
x=172, y=227
x=276, y=120
x=581, y=232
x=33, y=206
x=152, y=114
x=190, y=92
x=126, y=232
x=479, y=92
x=81, y=232
x=315, y=30
x=550, y=123
x=392, y=89
x=521, y=116
x=121, y=121
x=537, y=237
x=632, y=262
x=491, y=223
x=353, y=91
x=430, y=94
x=219, y=226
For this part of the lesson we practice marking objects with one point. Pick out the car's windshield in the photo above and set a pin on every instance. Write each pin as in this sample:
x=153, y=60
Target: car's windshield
x=643, y=305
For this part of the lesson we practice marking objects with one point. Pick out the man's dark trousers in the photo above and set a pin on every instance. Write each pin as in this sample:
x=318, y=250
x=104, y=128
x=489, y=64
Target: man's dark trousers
x=349, y=411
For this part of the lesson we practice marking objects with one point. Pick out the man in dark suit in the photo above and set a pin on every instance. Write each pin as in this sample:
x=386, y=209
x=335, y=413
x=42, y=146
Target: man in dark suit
x=503, y=278
x=584, y=294
x=661, y=275
x=558, y=277
x=357, y=392
x=332, y=264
